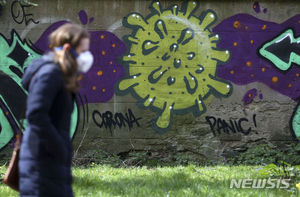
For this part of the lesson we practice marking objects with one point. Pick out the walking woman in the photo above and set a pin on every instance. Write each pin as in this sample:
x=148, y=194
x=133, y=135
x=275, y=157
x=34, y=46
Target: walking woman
x=51, y=82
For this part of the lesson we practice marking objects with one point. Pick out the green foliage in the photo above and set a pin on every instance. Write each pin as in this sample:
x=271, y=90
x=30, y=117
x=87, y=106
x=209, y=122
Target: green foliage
x=137, y=159
x=283, y=170
x=182, y=158
x=266, y=154
x=259, y=155
x=279, y=163
x=97, y=157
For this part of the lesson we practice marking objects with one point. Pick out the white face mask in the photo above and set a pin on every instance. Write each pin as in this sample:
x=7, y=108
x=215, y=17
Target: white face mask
x=85, y=61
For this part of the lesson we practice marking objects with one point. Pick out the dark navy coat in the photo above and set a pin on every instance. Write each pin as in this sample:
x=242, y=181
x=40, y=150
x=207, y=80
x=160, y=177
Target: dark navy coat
x=46, y=149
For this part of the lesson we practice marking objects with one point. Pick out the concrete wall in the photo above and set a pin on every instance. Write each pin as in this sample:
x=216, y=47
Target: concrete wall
x=203, y=77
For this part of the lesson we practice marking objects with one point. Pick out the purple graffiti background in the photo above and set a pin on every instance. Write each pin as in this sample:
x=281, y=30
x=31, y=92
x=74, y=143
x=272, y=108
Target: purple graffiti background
x=249, y=96
x=243, y=35
x=97, y=85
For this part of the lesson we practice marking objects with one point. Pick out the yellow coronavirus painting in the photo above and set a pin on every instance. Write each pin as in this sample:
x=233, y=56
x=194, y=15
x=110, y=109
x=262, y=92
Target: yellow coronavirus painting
x=172, y=60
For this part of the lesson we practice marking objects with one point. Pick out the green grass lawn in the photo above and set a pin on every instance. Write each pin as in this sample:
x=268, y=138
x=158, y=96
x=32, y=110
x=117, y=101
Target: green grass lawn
x=103, y=180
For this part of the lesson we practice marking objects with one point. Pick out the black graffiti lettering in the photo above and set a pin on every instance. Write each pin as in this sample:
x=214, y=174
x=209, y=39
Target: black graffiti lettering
x=95, y=114
x=237, y=126
x=110, y=120
x=126, y=118
x=240, y=125
x=232, y=126
x=212, y=125
x=219, y=125
x=19, y=14
x=229, y=127
x=119, y=118
x=133, y=119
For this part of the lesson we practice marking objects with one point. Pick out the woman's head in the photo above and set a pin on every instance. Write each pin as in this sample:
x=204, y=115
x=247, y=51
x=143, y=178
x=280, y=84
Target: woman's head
x=68, y=42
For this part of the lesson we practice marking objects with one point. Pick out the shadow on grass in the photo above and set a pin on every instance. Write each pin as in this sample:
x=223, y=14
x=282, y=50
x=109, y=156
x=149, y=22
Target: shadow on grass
x=160, y=184
x=156, y=183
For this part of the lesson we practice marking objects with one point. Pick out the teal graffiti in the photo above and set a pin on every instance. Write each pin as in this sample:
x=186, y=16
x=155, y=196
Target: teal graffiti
x=296, y=122
x=74, y=120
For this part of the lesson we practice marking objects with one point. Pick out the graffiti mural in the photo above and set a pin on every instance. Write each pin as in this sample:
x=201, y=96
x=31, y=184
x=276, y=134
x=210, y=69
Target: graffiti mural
x=268, y=52
x=245, y=34
x=172, y=60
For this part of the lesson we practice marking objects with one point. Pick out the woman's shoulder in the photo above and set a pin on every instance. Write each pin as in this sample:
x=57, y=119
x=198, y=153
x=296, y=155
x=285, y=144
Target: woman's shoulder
x=41, y=70
x=48, y=67
x=48, y=77
x=48, y=73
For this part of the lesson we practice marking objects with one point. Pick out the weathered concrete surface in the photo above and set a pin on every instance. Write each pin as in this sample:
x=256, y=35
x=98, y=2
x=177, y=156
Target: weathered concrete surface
x=187, y=133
